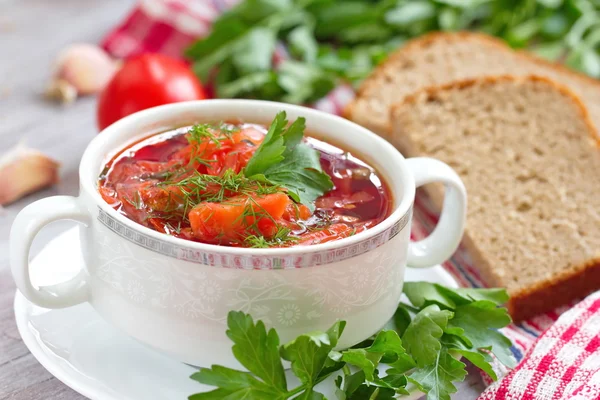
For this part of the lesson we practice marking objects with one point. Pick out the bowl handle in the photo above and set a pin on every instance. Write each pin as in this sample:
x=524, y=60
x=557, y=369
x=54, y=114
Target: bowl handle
x=26, y=226
x=445, y=238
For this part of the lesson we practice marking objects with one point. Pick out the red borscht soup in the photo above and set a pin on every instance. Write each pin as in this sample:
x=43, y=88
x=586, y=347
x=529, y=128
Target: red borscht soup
x=245, y=185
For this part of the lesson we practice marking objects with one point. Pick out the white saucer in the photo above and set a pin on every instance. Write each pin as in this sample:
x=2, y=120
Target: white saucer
x=102, y=363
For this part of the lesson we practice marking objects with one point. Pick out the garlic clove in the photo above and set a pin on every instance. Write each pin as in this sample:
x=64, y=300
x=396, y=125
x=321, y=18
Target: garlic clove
x=24, y=171
x=61, y=91
x=86, y=67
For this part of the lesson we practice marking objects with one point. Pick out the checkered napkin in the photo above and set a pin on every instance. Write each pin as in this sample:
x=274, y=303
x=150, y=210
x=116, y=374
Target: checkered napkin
x=563, y=363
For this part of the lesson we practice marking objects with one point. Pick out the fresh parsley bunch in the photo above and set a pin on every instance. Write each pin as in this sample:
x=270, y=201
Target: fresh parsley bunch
x=422, y=345
x=327, y=42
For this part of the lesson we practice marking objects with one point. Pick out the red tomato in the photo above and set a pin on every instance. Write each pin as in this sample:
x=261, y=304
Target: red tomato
x=146, y=81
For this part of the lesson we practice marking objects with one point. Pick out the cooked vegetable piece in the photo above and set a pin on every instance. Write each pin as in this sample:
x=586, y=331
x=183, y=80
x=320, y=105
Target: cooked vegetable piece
x=333, y=232
x=233, y=220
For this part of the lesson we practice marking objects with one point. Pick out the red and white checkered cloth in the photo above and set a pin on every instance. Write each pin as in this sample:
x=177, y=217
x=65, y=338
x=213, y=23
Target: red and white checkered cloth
x=563, y=363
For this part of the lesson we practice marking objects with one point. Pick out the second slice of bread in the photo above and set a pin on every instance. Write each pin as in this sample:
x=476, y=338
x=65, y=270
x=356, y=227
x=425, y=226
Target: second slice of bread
x=441, y=58
x=530, y=161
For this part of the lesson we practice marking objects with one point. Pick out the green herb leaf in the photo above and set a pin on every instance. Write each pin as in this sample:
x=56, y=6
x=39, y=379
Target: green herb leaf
x=242, y=39
x=283, y=160
x=386, y=345
x=400, y=320
x=311, y=395
x=459, y=333
x=497, y=295
x=246, y=84
x=403, y=364
x=270, y=152
x=422, y=337
x=436, y=378
x=372, y=392
x=309, y=352
x=256, y=349
x=233, y=384
x=421, y=294
x=479, y=321
x=478, y=360
x=425, y=355
x=301, y=173
x=304, y=82
x=216, y=48
x=462, y=296
x=362, y=359
x=409, y=13
x=353, y=386
x=387, y=342
x=338, y=16
x=302, y=42
x=349, y=383
x=255, y=51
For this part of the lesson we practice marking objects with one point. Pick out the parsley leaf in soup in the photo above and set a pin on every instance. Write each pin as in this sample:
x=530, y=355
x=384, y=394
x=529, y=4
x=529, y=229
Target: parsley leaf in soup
x=270, y=152
x=301, y=173
x=283, y=159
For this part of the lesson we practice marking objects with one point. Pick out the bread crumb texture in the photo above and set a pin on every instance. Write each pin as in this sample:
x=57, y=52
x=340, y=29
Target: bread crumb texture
x=529, y=158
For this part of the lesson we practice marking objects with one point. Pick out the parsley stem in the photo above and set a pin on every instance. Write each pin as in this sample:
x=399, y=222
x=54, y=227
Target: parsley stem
x=375, y=394
x=346, y=370
x=295, y=391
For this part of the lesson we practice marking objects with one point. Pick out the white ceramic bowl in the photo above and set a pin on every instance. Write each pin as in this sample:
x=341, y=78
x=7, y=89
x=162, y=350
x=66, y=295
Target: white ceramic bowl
x=174, y=295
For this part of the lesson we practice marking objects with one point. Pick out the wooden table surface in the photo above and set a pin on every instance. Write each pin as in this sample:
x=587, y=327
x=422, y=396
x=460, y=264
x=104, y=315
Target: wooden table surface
x=31, y=34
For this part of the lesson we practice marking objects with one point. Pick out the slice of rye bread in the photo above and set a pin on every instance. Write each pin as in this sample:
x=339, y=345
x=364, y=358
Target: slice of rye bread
x=441, y=58
x=530, y=160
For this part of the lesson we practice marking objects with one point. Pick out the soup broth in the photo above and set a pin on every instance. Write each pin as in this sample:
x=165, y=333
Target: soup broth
x=190, y=183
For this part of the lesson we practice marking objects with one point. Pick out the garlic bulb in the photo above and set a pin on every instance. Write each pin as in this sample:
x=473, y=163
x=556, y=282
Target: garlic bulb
x=80, y=69
x=23, y=171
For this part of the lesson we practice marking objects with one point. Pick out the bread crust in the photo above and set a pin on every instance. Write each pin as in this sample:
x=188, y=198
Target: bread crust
x=545, y=295
x=548, y=295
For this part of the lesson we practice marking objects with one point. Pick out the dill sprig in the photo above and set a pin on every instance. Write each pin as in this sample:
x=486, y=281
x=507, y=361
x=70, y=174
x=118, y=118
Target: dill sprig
x=199, y=188
x=215, y=133
x=281, y=237
x=204, y=133
x=136, y=202
x=254, y=212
